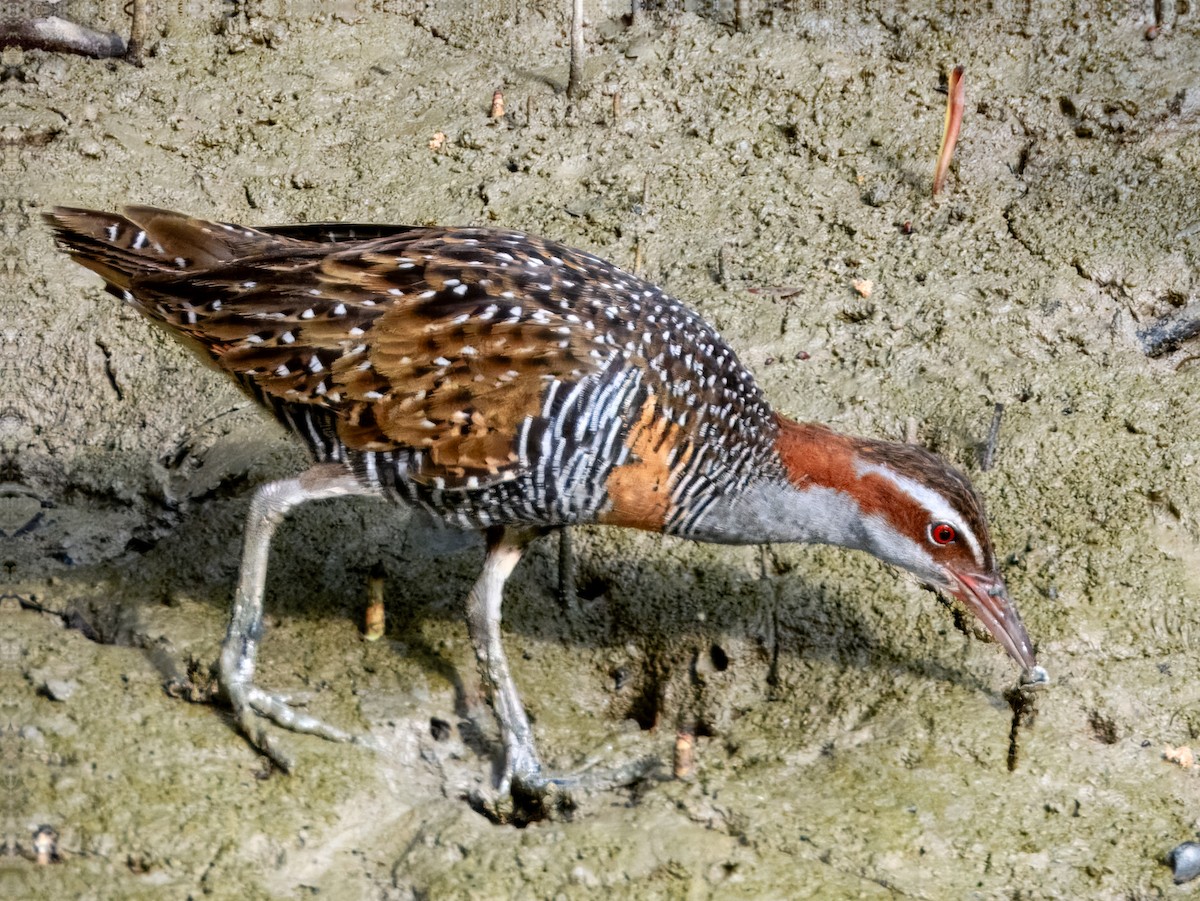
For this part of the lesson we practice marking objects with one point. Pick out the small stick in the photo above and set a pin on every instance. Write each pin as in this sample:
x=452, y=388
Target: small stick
x=741, y=14
x=497, y=111
x=684, y=764
x=638, y=251
x=1024, y=712
x=374, y=619
x=137, y=32
x=1168, y=333
x=989, y=448
x=954, y=114
x=616, y=106
x=783, y=292
x=567, y=594
x=575, y=78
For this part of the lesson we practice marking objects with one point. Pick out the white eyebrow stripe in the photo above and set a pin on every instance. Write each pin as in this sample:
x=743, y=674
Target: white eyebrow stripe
x=933, y=502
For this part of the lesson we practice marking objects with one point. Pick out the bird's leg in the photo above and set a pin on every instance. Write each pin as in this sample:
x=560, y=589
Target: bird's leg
x=522, y=778
x=270, y=504
x=504, y=549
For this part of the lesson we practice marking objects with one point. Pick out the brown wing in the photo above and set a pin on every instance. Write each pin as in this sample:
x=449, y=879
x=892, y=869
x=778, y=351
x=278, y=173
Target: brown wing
x=464, y=349
x=445, y=341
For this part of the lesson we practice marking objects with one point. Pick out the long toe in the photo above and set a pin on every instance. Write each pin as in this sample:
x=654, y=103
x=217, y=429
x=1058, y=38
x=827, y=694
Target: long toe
x=535, y=796
x=585, y=781
x=277, y=709
x=253, y=708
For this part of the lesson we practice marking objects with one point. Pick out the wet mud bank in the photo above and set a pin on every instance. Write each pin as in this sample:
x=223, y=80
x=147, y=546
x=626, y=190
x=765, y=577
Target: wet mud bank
x=849, y=741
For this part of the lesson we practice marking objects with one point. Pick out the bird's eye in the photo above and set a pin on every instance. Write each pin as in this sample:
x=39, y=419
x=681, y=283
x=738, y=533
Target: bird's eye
x=942, y=533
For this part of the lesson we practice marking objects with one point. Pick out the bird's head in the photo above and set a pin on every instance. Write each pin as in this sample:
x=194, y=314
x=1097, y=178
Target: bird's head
x=931, y=521
x=916, y=511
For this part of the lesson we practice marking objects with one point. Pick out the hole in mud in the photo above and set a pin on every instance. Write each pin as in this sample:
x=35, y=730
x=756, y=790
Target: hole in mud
x=720, y=660
x=591, y=588
x=140, y=544
x=646, y=707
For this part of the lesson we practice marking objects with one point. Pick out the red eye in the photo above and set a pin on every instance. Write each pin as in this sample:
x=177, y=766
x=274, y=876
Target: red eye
x=942, y=533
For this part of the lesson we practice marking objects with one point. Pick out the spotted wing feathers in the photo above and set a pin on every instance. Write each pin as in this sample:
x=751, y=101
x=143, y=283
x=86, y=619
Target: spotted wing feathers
x=436, y=340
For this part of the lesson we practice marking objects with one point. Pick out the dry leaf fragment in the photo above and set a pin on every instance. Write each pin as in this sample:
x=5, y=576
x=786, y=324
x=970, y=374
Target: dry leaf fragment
x=1183, y=756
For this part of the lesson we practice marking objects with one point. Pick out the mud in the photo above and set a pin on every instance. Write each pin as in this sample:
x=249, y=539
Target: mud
x=851, y=743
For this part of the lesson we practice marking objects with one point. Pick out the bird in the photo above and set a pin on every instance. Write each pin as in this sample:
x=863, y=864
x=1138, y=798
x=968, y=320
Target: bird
x=510, y=384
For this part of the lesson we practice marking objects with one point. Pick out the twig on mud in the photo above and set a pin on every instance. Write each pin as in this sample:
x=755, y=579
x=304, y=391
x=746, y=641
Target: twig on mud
x=684, y=763
x=782, y=293
x=638, y=249
x=575, y=77
x=137, y=32
x=1024, y=711
x=1167, y=333
x=374, y=620
x=568, y=593
x=954, y=114
x=742, y=13
x=987, y=455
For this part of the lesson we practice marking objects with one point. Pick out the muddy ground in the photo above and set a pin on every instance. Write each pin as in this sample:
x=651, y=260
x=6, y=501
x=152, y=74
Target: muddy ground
x=851, y=742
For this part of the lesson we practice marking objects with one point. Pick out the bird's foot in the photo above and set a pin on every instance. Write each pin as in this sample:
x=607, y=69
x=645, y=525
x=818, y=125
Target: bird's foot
x=531, y=795
x=251, y=705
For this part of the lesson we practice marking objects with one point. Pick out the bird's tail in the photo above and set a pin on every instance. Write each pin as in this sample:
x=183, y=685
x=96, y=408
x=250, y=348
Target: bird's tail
x=143, y=241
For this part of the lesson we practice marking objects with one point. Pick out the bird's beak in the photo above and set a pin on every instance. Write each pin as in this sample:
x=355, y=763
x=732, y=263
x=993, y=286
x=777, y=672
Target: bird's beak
x=988, y=599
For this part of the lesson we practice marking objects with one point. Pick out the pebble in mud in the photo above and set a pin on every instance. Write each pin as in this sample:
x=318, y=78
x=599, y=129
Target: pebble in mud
x=45, y=845
x=1034, y=678
x=59, y=689
x=1184, y=860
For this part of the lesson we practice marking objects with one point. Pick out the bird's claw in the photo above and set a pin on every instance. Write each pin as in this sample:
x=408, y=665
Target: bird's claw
x=530, y=797
x=279, y=710
x=1034, y=679
x=524, y=800
x=251, y=705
